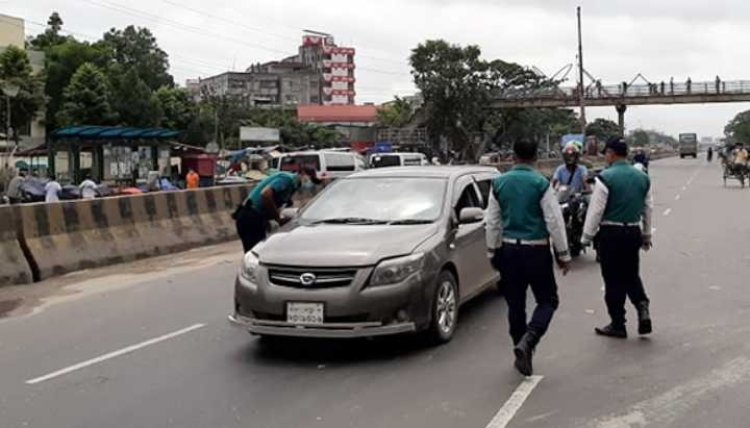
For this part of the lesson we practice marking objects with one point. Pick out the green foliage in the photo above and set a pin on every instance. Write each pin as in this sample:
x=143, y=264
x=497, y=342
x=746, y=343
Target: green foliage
x=646, y=137
x=87, y=99
x=136, y=49
x=603, y=129
x=738, y=129
x=51, y=36
x=179, y=109
x=458, y=86
x=397, y=114
x=15, y=69
x=639, y=138
x=61, y=62
x=133, y=100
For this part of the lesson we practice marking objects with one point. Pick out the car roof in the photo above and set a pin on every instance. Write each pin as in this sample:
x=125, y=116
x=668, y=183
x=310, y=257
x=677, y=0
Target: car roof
x=424, y=171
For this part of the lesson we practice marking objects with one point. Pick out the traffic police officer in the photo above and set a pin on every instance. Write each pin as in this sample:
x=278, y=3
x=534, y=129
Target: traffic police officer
x=264, y=204
x=523, y=213
x=620, y=205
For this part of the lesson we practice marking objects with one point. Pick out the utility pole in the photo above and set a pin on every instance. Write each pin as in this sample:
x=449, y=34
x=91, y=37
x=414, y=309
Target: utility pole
x=581, y=99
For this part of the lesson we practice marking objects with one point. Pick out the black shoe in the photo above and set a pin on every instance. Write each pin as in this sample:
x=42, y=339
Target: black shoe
x=612, y=331
x=644, y=318
x=524, y=352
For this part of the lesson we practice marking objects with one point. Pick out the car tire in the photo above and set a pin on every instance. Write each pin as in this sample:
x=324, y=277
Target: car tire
x=444, y=309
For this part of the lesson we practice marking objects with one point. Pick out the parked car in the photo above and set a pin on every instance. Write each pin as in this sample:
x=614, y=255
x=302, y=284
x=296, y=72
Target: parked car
x=382, y=160
x=385, y=251
x=329, y=164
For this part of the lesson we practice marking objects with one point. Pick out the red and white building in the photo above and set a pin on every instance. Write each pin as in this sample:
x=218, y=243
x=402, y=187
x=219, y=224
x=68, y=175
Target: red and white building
x=336, y=65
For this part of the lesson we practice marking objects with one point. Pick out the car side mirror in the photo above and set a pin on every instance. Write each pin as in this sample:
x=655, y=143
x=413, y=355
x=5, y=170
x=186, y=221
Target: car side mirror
x=471, y=215
x=289, y=213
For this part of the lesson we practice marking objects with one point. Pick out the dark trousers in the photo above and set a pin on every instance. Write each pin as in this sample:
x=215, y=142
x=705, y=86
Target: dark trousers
x=251, y=227
x=619, y=249
x=522, y=266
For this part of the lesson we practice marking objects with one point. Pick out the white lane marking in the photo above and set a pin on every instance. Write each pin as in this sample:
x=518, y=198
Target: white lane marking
x=667, y=212
x=684, y=188
x=113, y=354
x=677, y=198
x=505, y=414
x=665, y=408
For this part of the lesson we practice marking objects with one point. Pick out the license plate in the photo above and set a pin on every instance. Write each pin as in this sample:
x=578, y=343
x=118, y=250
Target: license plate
x=304, y=313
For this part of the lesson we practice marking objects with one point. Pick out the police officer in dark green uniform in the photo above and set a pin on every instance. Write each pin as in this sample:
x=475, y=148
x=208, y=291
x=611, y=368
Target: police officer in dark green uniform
x=265, y=201
x=620, y=210
x=522, y=215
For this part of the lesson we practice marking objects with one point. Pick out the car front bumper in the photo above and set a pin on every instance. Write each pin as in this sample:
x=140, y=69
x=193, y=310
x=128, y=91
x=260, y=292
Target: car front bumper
x=326, y=330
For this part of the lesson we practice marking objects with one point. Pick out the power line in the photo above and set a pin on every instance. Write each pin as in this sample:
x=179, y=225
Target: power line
x=201, y=31
x=260, y=30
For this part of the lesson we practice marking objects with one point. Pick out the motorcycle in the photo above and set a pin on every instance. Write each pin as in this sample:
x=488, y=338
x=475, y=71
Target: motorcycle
x=574, y=207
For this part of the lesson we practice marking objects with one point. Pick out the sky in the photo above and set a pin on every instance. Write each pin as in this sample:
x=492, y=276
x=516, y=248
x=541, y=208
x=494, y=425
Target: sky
x=657, y=38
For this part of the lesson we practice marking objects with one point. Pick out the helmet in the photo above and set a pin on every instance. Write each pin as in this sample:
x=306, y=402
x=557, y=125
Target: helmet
x=571, y=153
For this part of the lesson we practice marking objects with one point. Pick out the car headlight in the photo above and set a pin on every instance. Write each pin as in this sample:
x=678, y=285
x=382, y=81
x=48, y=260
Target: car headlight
x=396, y=270
x=250, y=265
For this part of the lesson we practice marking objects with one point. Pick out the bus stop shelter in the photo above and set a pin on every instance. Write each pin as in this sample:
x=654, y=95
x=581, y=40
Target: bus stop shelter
x=110, y=153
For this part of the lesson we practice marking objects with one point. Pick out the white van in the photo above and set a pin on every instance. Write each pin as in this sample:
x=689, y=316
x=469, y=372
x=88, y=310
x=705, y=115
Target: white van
x=382, y=160
x=329, y=164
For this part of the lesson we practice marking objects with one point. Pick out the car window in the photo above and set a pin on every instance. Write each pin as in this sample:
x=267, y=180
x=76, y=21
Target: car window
x=382, y=161
x=294, y=163
x=468, y=198
x=412, y=160
x=388, y=199
x=339, y=162
x=485, y=186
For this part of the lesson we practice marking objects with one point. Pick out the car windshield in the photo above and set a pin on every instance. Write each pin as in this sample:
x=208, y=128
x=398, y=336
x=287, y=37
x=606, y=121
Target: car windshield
x=399, y=200
x=382, y=161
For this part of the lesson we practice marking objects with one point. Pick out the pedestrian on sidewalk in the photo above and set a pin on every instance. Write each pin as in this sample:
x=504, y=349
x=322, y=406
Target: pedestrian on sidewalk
x=52, y=189
x=88, y=188
x=265, y=202
x=522, y=216
x=620, y=205
x=192, y=179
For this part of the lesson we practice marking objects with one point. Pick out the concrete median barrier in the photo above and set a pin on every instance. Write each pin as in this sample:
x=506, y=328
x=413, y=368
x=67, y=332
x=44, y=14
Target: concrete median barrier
x=14, y=268
x=70, y=236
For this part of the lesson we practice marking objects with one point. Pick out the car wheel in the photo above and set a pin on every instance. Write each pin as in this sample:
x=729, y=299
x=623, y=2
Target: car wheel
x=444, y=309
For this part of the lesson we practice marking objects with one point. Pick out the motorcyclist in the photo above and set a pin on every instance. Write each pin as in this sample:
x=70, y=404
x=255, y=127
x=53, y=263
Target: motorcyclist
x=571, y=173
x=641, y=157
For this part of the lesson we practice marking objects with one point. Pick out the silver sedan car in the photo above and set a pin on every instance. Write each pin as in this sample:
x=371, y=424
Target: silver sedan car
x=381, y=252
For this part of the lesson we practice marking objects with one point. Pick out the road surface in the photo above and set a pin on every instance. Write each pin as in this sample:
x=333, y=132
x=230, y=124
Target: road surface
x=148, y=345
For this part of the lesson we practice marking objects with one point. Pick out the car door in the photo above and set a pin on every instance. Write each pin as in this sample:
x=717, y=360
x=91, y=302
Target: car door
x=484, y=184
x=468, y=243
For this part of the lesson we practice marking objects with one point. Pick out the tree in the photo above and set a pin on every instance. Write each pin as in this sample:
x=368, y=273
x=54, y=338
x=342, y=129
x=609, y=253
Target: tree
x=61, y=62
x=178, y=107
x=458, y=86
x=133, y=100
x=640, y=138
x=603, y=129
x=15, y=69
x=397, y=114
x=455, y=84
x=738, y=129
x=51, y=36
x=87, y=99
x=136, y=49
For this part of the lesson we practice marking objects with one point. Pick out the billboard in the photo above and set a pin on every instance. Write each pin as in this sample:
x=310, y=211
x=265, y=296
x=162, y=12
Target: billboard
x=261, y=135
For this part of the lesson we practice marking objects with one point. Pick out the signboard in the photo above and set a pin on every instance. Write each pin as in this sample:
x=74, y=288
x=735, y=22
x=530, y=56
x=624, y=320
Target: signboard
x=264, y=135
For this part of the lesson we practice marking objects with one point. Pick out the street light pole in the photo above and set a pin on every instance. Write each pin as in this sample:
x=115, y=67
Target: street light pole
x=581, y=98
x=10, y=90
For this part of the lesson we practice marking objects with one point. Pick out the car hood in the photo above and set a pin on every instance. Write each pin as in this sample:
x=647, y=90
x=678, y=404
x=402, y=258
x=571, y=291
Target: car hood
x=328, y=245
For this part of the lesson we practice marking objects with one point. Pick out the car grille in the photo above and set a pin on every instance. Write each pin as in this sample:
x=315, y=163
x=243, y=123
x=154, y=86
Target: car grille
x=323, y=278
